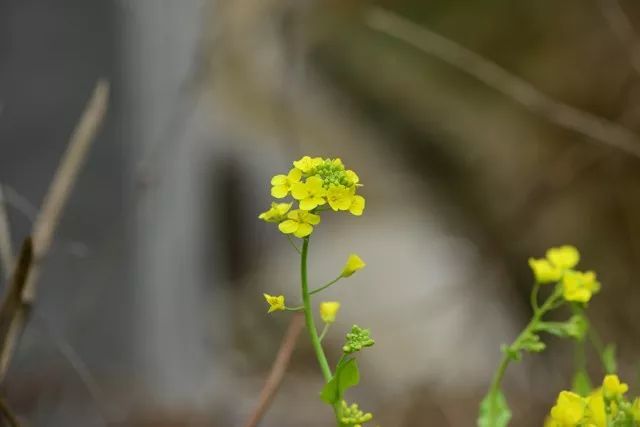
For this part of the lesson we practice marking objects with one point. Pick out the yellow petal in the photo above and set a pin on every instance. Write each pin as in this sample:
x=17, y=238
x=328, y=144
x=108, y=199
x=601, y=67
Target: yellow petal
x=279, y=180
x=299, y=191
x=303, y=230
x=353, y=264
x=564, y=257
x=294, y=175
x=312, y=219
x=289, y=226
x=308, y=204
x=357, y=205
x=279, y=191
x=329, y=310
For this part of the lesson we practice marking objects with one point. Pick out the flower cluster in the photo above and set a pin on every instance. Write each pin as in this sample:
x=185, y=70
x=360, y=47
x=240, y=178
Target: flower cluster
x=606, y=406
x=558, y=266
x=357, y=339
x=352, y=415
x=316, y=184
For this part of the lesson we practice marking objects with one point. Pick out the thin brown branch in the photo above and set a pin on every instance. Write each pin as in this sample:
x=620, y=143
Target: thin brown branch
x=621, y=27
x=278, y=369
x=8, y=415
x=13, y=309
x=6, y=250
x=501, y=80
x=65, y=178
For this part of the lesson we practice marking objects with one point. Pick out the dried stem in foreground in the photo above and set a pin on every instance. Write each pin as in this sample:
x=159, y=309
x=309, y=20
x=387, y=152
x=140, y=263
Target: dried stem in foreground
x=278, y=369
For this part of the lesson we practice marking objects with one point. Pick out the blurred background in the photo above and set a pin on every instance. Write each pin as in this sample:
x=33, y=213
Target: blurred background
x=484, y=132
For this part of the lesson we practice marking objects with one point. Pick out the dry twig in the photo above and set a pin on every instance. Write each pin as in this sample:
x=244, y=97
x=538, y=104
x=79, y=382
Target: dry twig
x=620, y=25
x=278, y=369
x=510, y=85
x=6, y=251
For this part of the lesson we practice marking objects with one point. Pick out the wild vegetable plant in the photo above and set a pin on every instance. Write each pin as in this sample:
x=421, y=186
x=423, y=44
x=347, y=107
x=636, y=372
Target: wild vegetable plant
x=566, y=287
x=320, y=185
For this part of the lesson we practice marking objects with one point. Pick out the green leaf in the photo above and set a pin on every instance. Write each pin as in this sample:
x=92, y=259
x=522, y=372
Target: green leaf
x=609, y=359
x=581, y=383
x=576, y=327
x=494, y=411
x=346, y=376
x=532, y=343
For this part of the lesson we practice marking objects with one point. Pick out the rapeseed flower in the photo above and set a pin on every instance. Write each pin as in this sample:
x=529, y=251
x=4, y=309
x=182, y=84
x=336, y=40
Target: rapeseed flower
x=568, y=410
x=277, y=213
x=276, y=302
x=310, y=194
x=299, y=223
x=282, y=184
x=612, y=388
x=578, y=286
x=329, y=310
x=353, y=264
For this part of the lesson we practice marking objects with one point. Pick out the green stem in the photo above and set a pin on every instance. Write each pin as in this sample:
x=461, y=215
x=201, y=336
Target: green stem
x=311, y=327
x=324, y=331
x=292, y=243
x=323, y=287
x=515, y=346
x=308, y=314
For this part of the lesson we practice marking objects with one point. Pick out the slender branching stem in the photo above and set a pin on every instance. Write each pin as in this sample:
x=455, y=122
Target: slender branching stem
x=325, y=286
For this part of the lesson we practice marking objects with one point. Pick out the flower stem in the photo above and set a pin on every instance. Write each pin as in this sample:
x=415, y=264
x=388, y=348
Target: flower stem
x=323, y=287
x=548, y=305
x=311, y=327
x=308, y=314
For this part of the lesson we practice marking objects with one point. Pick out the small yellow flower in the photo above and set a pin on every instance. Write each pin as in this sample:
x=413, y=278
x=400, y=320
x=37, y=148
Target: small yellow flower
x=310, y=193
x=276, y=302
x=329, y=310
x=357, y=205
x=339, y=198
x=307, y=164
x=354, y=263
x=612, y=387
x=282, y=183
x=277, y=213
x=635, y=410
x=579, y=286
x=568, y=410
x=595, y=414
x=544, y=271
x=352, y=177
x=564, y=257
x=299, y=223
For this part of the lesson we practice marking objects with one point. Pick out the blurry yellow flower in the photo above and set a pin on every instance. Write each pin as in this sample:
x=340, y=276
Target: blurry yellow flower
x=339, y=198
x=282, y=183
x=352, y=177
x=612, y=387
x=595, y=414
x=307, y=164
x=635, y=410
x=329, y=310
x=276, y=303
x=277, y=213
x=310, y=193
x=568, y=410
x=579, y=286
x=564, y=257
x=544, y=271
x=299, y=222
x=357, y=205
x=354, y=263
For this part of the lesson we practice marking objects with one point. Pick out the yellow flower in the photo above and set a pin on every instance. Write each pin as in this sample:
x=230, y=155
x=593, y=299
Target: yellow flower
x=544, y=271
x=310, y=193
x=339, y=198
x=299, y=222
x=352, y=177
x=612, y=387
x=277, y=213
x=329, y=310
x=276, y=302
x=635, y=410
x=564, y=257
x=354, y=263
x=579, y=286
x=568, y=410
x=596, y=415
x=357, y=205
x=307, y=164
x=282, y=183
